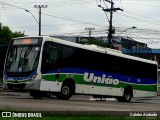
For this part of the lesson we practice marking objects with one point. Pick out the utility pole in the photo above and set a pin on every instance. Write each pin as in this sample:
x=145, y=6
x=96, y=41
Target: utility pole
x=90, y=29
x=111, y=29
x=40, y=6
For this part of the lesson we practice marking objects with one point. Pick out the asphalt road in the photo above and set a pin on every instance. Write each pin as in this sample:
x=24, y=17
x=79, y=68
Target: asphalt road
x=23, y=102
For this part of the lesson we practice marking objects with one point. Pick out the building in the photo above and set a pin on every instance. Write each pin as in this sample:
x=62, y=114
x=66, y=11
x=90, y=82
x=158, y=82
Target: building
x=139, y=49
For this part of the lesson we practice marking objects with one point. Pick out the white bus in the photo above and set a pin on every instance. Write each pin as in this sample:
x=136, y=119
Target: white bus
x=46, y=64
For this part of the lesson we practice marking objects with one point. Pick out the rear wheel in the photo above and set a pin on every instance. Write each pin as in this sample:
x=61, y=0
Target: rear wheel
x=127, y=95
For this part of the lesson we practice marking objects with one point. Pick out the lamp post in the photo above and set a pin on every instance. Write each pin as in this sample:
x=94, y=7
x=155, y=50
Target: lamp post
x=32, y=15
x=126, y=30
x=119, y=38
x=36, y=21
x=39, y=23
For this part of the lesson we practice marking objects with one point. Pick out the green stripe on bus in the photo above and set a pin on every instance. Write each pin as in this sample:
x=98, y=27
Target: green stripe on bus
x=78, y=78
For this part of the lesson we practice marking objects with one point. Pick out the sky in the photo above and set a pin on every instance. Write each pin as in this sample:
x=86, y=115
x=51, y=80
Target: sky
x=71, y=17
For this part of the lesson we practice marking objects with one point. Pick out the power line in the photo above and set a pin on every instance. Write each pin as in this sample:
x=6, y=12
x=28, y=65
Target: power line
x=142, y=4
x=59, y=2
x=111, y=29
x=12, y=5
x=68, y=19
x=121, y=4
x=132, y=16
x=142, y=16
x=140, y=19
x=64, y=18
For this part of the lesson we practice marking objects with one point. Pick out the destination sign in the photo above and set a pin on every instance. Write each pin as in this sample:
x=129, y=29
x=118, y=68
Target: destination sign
x=26, y=41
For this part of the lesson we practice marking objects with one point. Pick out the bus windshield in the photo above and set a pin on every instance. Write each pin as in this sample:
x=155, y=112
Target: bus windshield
x=22, y=58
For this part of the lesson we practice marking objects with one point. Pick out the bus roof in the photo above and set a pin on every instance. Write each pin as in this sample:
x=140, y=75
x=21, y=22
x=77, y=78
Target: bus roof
x=94, y=48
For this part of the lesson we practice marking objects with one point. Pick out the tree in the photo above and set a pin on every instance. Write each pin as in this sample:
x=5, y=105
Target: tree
x=96, y=41
x=6, y=34
x=18, y=34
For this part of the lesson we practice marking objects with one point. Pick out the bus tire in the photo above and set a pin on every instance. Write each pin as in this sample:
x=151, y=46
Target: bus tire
x=66, y=92
x=36, y=94
x=127, y=96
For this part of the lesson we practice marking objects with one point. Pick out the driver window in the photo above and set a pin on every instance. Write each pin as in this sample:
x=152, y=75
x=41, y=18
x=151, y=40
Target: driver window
x=49, y=57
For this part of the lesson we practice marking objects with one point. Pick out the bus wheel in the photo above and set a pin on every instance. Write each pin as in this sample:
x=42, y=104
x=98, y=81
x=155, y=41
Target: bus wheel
x=36, y=94
x=127, y=95
x=66, y=92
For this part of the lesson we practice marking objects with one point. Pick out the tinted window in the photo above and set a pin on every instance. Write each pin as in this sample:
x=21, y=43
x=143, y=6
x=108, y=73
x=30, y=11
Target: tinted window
x=63, y=56
x=50, y=57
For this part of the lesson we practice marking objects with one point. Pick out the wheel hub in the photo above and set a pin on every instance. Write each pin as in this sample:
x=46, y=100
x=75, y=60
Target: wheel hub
x=65, y=90
x=127, y=96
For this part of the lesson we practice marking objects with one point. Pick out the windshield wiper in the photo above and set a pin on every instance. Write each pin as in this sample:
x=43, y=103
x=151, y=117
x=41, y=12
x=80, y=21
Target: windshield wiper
x=15, y=55
x=27, y=52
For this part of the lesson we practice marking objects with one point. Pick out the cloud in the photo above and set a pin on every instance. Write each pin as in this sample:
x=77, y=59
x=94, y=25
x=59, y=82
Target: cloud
x=69, y=16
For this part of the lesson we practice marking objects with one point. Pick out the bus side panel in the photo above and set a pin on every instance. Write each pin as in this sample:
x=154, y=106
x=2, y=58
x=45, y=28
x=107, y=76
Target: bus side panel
x=98, y=90
x=80, y=88
x=140, y=93
x=120, y=92
x=50, y=86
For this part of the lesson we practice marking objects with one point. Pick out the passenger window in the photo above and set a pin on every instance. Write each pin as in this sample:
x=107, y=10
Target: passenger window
x=53, y=57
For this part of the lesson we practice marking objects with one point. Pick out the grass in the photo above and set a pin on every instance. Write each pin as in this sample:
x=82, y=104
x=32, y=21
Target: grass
x=76, y=116
x=83, y=118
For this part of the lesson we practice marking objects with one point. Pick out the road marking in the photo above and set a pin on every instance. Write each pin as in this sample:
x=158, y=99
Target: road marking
x=103, y=109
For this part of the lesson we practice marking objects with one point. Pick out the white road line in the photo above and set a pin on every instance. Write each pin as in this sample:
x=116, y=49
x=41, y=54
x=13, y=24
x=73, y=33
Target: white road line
x=103, y=109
